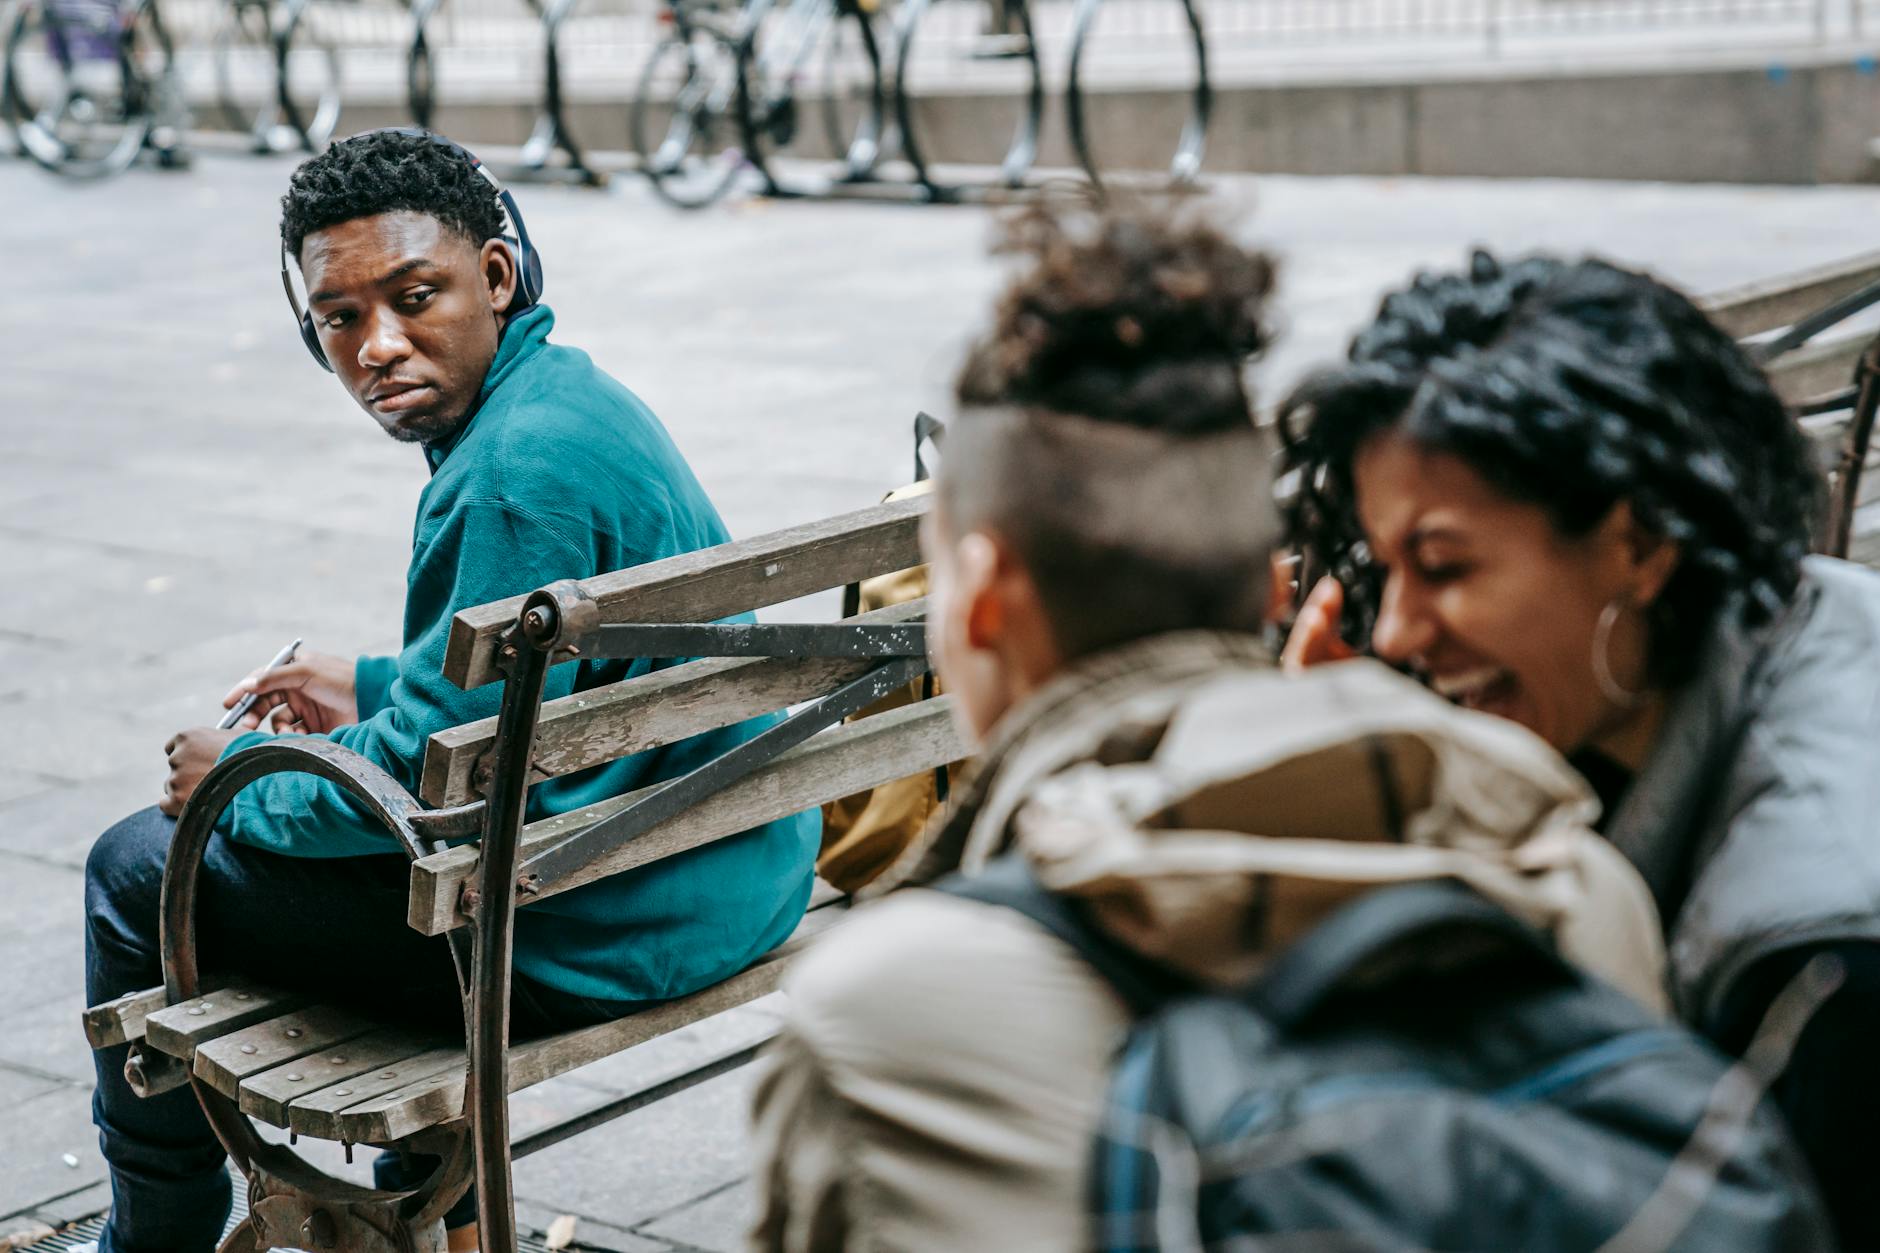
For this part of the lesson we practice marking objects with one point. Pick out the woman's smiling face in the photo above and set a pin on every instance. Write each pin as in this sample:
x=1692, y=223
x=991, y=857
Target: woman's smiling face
x=1497, y=609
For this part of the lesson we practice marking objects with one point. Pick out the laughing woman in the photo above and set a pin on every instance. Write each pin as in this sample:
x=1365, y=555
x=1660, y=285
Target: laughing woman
x=1559, y=494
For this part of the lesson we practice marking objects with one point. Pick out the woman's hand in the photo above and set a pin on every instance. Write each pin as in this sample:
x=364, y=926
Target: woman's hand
x=312, y=694
x=1315, y=638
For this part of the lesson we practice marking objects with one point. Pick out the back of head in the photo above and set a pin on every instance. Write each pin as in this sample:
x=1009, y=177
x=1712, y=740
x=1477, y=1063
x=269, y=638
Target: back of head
x=1105, y=431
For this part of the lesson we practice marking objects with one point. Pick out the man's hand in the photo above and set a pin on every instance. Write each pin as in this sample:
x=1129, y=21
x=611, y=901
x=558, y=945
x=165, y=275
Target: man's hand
x=1315, y=638
x=313, y=694
x=191, y=753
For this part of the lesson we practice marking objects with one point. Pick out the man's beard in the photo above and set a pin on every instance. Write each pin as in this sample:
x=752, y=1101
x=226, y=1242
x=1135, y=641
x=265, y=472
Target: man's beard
x=427, y=429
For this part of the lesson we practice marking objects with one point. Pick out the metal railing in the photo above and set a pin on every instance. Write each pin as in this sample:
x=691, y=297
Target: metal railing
x=624, y=24
x=491, y=49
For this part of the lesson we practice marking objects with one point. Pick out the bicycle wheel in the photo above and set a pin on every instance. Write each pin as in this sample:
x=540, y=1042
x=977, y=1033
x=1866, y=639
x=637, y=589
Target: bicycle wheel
x=1141, y=24
x=307, y=76
x=774, y=55
x=75, y=88
x=983, y=53
x=682, y=118
x=242, y=51
x=854, y=94
x=420, y=65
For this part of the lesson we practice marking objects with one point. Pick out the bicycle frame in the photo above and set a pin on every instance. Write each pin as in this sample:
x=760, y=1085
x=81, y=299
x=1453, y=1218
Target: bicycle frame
x=807, y=20
x=82, y=35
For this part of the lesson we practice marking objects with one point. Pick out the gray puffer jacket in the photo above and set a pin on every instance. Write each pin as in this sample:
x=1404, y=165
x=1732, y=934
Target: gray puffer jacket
x=1756, y=820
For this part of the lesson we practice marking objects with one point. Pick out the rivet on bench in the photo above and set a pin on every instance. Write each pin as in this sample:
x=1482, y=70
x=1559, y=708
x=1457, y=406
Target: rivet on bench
x=294, y=1078
x=196, y=1012
x=336, y=1060
x=388, y=1074
x=243, y=996
x=342, y=1091
x=248, y=1048
x=293, y=1033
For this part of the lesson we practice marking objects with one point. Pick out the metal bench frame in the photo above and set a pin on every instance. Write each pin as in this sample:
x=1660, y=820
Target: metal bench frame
x=1832, y=385
x=470, y=893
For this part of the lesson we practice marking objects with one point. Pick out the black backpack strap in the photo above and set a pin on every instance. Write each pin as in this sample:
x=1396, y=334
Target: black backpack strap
x=1383, y=923
x=926, y=428
x=1008, y=881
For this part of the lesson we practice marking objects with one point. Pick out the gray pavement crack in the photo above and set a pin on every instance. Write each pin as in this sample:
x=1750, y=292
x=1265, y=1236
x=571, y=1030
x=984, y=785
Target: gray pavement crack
x=639, y=1228
x=41, y=1204
x=45, y=1076
x=40, y=859
x=25, y=637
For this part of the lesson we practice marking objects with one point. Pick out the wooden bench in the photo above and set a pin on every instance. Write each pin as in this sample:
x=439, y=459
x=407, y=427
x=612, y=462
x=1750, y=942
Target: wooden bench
x=256, y=1051
x=1829, y=375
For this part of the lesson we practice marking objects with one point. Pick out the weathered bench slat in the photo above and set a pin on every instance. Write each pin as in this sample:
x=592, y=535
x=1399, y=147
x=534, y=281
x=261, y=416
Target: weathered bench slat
x=717, y=582
x=1754, y=308
x=225, y=1061
x=319, y=1114
x=439, y=1099
x=181, y=1029
x=606, y=723
x=1819, y=369
x=267, y=1094
x=122, y=1020
x=840, y=762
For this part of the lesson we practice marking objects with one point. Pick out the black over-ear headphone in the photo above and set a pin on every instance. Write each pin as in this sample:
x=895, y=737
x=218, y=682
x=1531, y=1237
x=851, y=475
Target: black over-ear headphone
x=528, y=260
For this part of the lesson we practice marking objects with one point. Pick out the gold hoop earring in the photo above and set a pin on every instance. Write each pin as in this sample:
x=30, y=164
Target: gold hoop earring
x=1609, y=686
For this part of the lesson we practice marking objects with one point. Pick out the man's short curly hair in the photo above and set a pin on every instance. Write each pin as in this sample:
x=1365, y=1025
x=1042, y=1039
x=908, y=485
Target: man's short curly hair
x=1572, y=386
x=385, y=172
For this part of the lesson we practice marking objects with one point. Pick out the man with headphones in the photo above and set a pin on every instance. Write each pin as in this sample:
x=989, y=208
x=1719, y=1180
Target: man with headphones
x=426, y=304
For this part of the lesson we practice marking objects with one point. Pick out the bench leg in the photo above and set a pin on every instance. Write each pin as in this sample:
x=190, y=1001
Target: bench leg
x=333, y=1217
x=241, y=1240
x=524, y=663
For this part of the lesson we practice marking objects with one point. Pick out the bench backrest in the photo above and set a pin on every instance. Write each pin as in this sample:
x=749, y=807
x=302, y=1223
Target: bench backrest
x=606, y=723
x=1819, y=376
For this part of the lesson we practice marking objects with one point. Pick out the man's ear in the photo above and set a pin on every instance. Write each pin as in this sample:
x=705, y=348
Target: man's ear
x=976, y=565
x=499, y=271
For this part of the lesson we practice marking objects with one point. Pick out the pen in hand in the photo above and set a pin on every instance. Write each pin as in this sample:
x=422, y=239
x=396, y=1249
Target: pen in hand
x=247, y=702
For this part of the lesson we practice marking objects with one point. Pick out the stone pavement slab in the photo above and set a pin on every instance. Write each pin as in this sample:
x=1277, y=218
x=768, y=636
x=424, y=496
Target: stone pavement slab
x=49, y=1148
x=182, y=491
x=716, y=1220
x=44, y=1036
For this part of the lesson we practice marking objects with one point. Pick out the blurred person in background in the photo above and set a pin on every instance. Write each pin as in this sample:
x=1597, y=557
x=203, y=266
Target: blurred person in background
x=543, y=467
x=1559, y=494
x=1099, y=590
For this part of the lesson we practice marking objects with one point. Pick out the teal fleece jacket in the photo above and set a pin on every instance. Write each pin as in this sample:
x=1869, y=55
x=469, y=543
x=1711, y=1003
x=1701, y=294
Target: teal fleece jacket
x=561, y=473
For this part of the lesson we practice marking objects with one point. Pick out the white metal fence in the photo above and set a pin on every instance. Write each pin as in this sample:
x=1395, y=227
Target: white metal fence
x=494, y=46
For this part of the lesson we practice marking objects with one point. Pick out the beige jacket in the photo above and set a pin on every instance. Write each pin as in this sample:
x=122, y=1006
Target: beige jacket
x=942, y=1061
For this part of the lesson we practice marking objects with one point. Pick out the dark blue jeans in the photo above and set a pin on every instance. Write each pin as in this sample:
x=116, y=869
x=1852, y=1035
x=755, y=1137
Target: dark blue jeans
x=333, y=927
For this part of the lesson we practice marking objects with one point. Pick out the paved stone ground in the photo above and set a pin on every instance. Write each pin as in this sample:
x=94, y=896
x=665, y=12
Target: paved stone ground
x=181, y=492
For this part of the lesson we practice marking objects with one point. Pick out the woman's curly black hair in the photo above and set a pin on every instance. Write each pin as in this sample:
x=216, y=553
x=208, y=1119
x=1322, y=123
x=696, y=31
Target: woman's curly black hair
x=1573, y=386
x=383, y=172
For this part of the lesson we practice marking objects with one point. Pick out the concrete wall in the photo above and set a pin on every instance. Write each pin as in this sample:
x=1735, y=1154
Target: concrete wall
x=1809, y=122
